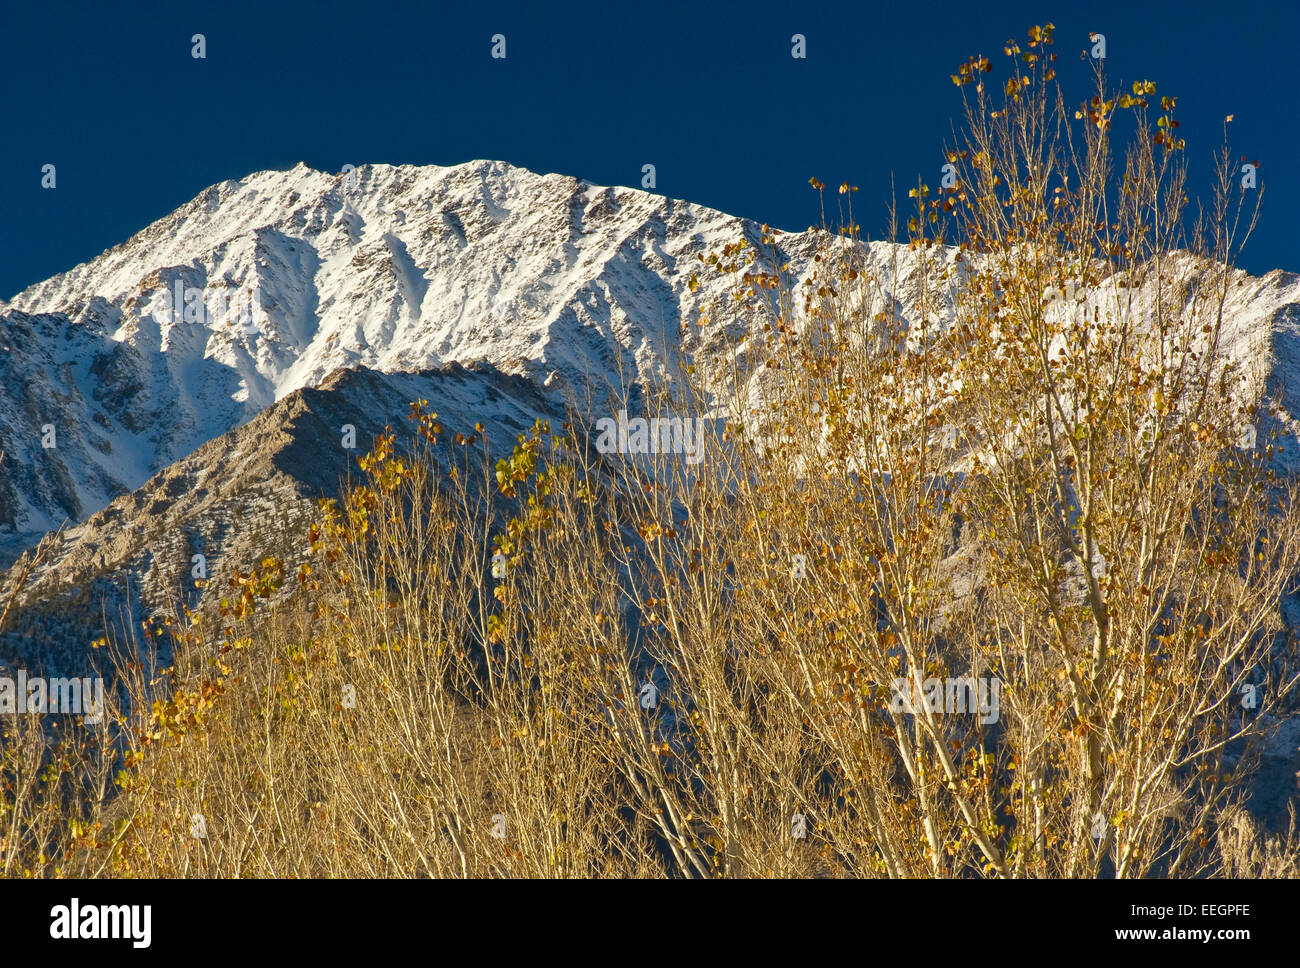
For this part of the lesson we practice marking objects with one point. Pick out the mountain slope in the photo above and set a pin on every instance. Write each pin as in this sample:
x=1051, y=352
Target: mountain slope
x=238, y=498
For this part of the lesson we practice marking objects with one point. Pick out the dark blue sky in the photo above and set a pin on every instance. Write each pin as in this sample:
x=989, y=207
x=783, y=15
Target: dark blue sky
x=708, y=93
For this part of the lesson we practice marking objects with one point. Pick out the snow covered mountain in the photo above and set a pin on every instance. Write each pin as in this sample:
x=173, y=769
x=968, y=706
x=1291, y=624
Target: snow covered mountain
x=114, y=375
x=175, y=374
x=396, y=269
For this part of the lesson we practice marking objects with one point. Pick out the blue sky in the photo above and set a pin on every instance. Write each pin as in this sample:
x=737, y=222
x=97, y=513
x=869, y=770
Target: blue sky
x=708, y=93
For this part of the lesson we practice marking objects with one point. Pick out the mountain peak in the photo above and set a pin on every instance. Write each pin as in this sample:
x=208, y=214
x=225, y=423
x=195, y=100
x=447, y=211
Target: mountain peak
x=262, y=286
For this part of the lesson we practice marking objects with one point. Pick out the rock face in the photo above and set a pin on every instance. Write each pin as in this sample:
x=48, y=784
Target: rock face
x=238, y=498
